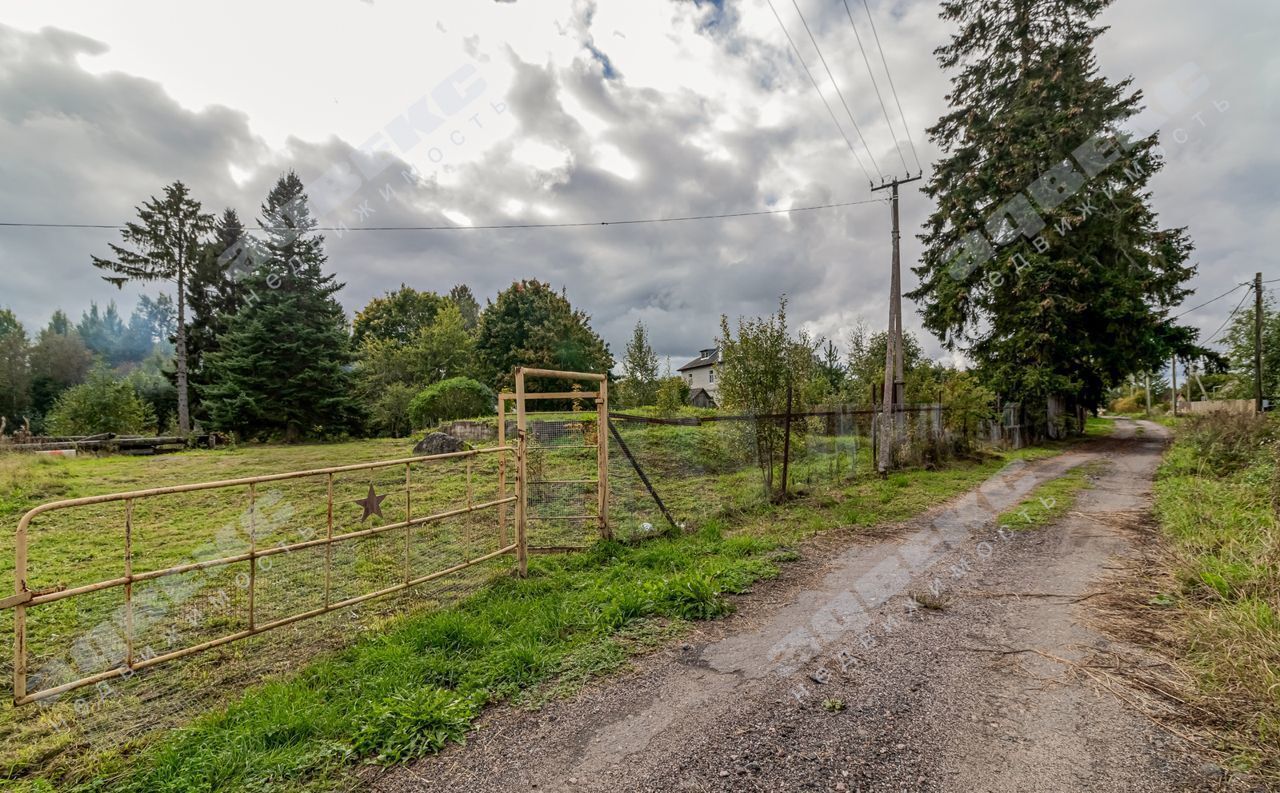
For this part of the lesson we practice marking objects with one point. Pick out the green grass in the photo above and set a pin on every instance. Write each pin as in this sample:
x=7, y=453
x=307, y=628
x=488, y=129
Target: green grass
x=1099, y=428
x=415, y=683
x=1216, y=502
x=1050, y=501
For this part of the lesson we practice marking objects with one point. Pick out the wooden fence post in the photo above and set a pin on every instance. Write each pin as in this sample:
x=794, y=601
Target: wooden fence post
x=602, y=461
x=502, y=471
x=786, y=443
x=522, y=479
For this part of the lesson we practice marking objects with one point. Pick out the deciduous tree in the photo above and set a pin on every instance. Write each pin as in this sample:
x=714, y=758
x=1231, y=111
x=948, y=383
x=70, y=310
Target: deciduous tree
x=532, y=325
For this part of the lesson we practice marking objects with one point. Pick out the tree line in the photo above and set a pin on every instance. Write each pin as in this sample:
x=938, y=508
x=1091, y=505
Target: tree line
x=256, y=343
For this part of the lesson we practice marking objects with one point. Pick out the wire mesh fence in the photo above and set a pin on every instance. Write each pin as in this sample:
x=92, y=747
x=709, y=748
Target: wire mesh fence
x=704, y=467
x=662, y=474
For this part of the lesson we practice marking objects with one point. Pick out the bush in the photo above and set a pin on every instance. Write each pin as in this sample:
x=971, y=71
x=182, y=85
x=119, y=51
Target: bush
x=1228, y=442
x=389, y=411
x=673, y=394
x=1131, y=404
x=455, y=398
x=100, y=404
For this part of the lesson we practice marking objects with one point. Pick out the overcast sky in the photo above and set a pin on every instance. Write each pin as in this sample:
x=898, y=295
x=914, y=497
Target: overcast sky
x=565, y=111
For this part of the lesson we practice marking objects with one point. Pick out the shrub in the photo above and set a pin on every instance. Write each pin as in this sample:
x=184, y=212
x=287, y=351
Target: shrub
x=389, y=411
x=1129, y=404
x=673, y=394
x=455, y=398
x=1228, y=442
x=100, y=404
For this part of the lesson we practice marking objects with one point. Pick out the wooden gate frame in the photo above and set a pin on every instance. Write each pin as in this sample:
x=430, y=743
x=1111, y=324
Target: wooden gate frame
x=520, y=396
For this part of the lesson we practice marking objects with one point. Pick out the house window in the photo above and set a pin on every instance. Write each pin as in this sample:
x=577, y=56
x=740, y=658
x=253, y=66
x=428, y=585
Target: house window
x=712, y=375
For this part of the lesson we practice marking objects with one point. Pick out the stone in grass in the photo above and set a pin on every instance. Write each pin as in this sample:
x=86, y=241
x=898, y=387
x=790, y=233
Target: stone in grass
x=439, y=443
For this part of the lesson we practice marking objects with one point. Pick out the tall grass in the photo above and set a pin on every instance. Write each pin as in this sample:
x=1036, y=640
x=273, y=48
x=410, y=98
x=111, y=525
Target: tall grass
x=1215, y=501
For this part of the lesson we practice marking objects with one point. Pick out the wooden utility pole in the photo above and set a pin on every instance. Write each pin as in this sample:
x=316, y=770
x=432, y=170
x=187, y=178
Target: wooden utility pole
x=1257, y=341
x=893, y=364
x=1148, y=376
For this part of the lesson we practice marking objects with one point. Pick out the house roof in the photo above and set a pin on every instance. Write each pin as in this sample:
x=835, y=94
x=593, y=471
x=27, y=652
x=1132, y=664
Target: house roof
x=709, y=357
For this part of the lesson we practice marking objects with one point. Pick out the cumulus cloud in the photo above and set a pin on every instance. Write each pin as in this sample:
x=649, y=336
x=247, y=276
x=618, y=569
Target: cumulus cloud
x=594, y=111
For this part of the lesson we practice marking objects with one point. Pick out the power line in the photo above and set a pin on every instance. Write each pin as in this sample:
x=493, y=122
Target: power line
x=498, y=226
x=1214, y=336
x=876, y=85
x=1207, y=302
x=839, y=93
x=825, y=104
x=892, y=88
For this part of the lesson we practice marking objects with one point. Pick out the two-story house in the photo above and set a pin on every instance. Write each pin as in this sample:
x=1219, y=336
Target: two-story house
x=700, y=374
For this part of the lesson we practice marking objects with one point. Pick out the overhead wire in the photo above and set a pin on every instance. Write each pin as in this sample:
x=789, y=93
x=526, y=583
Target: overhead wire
x=892, y=87
x=825, y=103
x=839, y=93
x=1214, y=336
x=876, y=85
x=499, y=226
x=1207, y=302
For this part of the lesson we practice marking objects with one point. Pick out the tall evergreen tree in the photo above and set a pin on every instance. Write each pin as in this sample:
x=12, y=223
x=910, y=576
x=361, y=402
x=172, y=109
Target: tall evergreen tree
x=282, y=367
x=465, y=300
x=165, y=245
x=1044, y=260
x=103, y=332
x=214, y=295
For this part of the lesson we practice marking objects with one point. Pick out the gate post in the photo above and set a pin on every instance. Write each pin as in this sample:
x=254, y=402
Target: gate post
x=502, y=470
x=522, y=479
x=602, y=460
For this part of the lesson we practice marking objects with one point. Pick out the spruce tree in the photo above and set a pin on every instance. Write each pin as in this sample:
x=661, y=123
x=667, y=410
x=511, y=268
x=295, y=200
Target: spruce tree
x=465, y=300
x=1044, y=261
x=214, y=296
x=282, y=367
x=165, y=244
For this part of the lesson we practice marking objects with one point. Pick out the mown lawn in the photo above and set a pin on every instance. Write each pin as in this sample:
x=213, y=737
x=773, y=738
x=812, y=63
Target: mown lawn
x=416, y=681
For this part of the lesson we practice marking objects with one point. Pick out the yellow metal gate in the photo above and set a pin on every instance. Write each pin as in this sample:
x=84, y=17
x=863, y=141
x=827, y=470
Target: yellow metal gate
x=427, y=519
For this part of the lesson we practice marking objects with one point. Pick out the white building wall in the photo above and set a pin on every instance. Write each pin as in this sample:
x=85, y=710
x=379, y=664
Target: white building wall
x=703, y=377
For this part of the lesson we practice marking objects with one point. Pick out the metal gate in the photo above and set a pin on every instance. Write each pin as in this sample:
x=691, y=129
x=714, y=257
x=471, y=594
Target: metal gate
x=434, y=525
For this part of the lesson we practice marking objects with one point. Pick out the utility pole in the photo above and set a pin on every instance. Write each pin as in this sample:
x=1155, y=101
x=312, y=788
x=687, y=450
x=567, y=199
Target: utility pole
x=1174, y=385
x=1148, y=375
x=893, y=364
x=1257, y=341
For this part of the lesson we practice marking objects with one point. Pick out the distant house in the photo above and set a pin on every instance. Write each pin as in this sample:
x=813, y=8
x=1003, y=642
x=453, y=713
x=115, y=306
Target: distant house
x=700, y=375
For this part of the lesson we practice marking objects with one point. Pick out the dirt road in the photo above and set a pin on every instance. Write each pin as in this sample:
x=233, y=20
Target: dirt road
x=834, y=679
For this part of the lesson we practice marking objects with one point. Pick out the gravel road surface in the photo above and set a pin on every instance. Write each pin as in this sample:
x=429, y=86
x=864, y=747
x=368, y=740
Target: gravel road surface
x=836, y=678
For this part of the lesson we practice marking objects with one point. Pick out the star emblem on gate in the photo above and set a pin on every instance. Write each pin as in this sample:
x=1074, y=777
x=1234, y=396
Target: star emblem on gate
x=371, y=503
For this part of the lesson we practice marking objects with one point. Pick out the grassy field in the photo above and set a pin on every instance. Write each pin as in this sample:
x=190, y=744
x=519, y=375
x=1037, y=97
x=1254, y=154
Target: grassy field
x=1218, y=502
x=415, y=668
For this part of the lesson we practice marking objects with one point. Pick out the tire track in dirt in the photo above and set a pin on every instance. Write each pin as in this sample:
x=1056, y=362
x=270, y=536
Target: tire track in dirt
x=829, y=680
